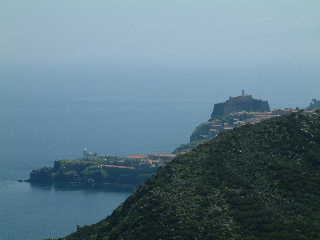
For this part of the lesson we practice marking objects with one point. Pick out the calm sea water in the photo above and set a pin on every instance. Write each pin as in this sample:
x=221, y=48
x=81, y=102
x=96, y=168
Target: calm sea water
x=36, y=213
x=35, y=136
x=50, y=113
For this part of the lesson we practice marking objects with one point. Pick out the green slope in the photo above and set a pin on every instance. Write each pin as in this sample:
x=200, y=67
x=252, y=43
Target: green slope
x=254, y=182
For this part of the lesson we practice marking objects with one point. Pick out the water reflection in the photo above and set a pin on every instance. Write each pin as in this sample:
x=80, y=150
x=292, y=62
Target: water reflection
x=31, y=211
x=76, y=187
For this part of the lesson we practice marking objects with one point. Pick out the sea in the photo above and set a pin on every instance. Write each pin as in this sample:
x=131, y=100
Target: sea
x=52, y=112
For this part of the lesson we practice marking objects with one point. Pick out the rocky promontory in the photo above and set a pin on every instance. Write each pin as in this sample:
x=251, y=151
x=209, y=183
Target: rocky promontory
x=235, y=111
x=93, y=173
x=243, y=103
x=257, y=182
x=101, y=171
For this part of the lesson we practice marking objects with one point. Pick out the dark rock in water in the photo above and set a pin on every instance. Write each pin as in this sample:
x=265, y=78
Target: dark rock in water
x=257, y=182
x=43, y=175
x=238, y=104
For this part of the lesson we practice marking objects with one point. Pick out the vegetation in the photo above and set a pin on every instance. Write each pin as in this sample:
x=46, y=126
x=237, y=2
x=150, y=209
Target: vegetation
x=200, y=130
x=91, y=173
x=189, y=146
x=256, y=182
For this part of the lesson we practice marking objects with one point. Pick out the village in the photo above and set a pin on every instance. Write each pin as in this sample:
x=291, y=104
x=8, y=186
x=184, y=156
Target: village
x=95, y=170
x=213, y=128
x=237, y=119
x=141, y=161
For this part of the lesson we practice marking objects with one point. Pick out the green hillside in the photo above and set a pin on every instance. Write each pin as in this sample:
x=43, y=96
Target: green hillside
x=257, y=182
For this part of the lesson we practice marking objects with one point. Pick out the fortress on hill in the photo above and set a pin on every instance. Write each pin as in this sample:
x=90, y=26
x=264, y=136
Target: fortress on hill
x=243, y=103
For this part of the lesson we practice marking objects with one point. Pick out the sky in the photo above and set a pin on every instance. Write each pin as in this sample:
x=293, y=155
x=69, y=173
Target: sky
x=74, y=73
x=217, y=43
x=222, y=33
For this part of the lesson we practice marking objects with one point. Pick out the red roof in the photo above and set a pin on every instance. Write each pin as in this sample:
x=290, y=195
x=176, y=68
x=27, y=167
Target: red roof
x=164, y=155
x=137, y=157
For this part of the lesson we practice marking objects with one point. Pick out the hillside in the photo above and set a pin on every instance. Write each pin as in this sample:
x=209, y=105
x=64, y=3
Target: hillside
x=256, y=182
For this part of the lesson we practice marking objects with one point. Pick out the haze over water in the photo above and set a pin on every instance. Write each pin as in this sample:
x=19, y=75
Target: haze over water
x=127, y=77
x=52, y=113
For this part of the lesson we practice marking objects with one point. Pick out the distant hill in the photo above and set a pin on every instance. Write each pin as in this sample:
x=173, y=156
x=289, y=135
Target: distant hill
x=226, y=115
x=238, y=104
x=257, y=182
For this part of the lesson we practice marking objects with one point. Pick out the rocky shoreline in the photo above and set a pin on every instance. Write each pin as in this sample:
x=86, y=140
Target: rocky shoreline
x=100, y=172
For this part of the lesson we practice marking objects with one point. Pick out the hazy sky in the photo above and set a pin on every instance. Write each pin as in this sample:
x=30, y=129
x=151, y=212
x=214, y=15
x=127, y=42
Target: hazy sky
x=160, y=63
x=178, y=33
x=177, y=49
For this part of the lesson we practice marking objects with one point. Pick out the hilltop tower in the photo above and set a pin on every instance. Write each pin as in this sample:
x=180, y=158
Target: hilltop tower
x=85, y=153
x=238, y=104
x=89, y=155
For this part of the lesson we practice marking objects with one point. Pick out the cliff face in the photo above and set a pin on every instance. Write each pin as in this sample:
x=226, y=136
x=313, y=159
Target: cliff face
x=237, y=104
x=256, y=182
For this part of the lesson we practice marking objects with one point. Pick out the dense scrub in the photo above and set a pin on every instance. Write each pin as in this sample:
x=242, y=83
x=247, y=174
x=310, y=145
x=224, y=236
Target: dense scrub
x=257, y=182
